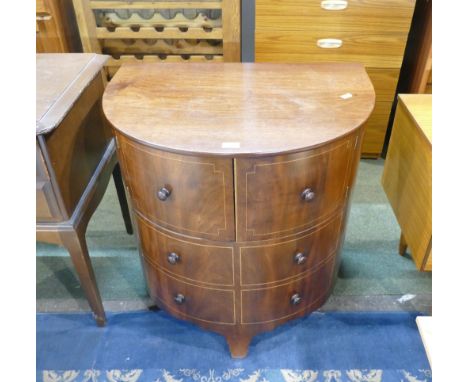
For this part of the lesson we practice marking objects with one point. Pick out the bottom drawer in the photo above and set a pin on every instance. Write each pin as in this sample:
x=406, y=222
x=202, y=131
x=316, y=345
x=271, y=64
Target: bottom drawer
x=375, y=129
x=286, y=300
x=190, y=301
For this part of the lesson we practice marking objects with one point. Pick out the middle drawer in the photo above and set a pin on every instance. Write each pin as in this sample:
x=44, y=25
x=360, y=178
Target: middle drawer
x=205, y=264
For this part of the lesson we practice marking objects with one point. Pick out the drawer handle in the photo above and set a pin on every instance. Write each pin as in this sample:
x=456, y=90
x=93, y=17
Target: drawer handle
x=334, y=5
x=163, y=194
x=173, y=258
x=43, y=16
x=307, y=195
x=296, y=299
x=329, y=43
x=300, y=258
x=179, y=298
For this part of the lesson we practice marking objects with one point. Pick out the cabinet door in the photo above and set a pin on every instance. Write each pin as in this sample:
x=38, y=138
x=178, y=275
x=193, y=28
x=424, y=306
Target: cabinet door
x=189, y=195
x=282, y=195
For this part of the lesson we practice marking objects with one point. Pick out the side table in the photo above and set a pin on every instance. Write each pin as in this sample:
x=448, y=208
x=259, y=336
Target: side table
x=75, y=157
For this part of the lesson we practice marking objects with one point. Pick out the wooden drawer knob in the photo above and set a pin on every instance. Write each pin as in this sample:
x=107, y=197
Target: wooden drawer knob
x=179, y=298
x=300, y=258
x=307, y=195
x=163, y=194
x=173, y=258
x=296, y=299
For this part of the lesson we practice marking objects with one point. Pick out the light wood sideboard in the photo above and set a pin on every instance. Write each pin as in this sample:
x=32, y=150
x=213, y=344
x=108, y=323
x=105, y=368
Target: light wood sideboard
x=75, y=157
x=407, y=176
x=240, y=177
x=372, y=32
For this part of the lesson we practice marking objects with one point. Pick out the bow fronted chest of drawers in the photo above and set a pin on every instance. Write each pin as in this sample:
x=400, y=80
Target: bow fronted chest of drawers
x=240, y=177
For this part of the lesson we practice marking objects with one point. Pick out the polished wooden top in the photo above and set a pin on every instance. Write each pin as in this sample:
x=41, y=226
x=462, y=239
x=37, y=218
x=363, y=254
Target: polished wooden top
x=60, y=79
x=419, y=107
x=238, y=109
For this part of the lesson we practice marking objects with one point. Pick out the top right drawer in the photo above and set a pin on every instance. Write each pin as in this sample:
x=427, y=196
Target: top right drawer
x=335, y=15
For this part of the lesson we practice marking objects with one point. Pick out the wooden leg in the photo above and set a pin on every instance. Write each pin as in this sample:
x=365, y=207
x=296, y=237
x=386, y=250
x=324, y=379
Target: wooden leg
x=76, y=246
x=238, y=345
x=117, y=175
x=403, y=245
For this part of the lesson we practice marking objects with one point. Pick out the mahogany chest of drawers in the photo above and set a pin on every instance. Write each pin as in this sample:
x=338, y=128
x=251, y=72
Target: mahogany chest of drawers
x=240, y=177
x=372, y=32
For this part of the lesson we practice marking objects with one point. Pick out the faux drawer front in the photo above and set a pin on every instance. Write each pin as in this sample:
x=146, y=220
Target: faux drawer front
x=208, y=264
x=190, y=195
x=379, y=50
x=287, y=259
x=282, y=195
x=358, y=15
x=190, y=301
x=280, y=302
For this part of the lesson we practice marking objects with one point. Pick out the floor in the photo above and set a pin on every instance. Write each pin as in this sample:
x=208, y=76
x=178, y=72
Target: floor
x=372, y=277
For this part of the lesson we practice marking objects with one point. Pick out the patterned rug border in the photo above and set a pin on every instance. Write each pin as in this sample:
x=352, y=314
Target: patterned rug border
x=234, y=375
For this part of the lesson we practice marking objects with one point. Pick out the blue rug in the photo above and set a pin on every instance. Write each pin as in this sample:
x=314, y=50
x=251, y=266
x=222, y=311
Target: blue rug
x=153, y=347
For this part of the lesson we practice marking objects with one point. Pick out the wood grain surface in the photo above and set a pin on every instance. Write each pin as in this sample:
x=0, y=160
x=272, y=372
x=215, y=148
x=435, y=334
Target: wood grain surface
x=238, y=109
x=407, y=175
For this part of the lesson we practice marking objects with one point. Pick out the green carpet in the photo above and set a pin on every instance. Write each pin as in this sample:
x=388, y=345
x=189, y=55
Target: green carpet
x=370, y=261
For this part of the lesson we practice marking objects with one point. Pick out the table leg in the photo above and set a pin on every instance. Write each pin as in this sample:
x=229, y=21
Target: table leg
x=117, y=175
x=76, y=246
x=403, y=245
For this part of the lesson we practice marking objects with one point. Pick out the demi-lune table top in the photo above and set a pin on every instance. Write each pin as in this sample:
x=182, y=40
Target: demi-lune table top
x=238, y=109
x=60, y=79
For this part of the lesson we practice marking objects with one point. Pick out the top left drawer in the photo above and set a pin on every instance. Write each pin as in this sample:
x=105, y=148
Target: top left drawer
x=187, y=194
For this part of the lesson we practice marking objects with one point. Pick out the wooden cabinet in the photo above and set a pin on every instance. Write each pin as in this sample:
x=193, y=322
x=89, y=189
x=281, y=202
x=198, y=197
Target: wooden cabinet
x=373, y=32
x=248, y=231
x=407, y=176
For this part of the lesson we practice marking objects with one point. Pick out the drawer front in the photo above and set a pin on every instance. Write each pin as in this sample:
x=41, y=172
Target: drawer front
x=190, y=195
x=379, y=50
x=375, y=129
x=277, y=303
x=358, y=15
x=47, y=209
x=291, y=258
x=385, y=82
x=282, y=195
x=208, y=264
x=194, y=302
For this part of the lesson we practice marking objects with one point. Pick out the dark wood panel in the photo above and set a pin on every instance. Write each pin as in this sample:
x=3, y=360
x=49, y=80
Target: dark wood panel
x=193, y=260
x=77, y=145
x=264, y=305
x=272, y=263
x=201, y=200
x=269, y=191
x=205, y=304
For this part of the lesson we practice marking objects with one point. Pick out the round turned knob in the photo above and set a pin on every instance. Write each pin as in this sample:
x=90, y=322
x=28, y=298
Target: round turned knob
x=179, y=298
x=296, y=299
x=307, y=195
x=300, y=258
x=163, y=194
x=173, y=258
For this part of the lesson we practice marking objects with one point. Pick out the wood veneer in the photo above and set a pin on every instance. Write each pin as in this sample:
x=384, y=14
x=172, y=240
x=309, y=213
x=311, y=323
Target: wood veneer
x=266, y=152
